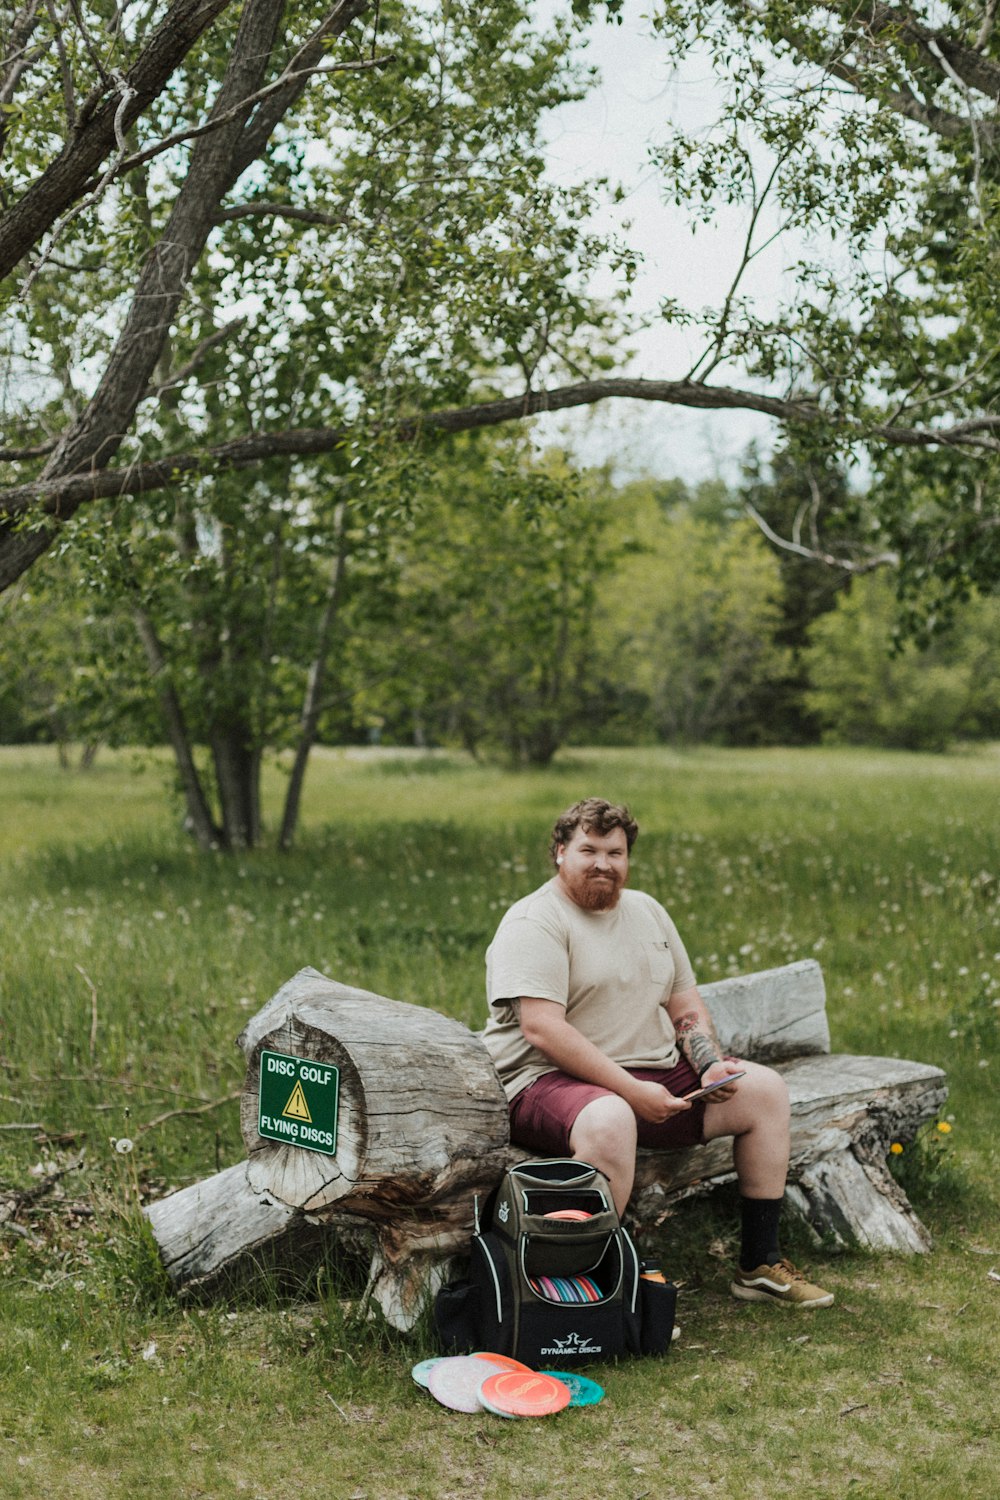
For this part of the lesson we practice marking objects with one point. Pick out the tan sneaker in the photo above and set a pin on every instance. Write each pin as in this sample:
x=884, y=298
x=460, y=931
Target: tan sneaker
x=778, y=1283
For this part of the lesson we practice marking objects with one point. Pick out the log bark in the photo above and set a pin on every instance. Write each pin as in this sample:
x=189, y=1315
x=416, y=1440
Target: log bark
x=423, y=1130
x=422, y=1117
x=773, y=1014
x=846, y=1112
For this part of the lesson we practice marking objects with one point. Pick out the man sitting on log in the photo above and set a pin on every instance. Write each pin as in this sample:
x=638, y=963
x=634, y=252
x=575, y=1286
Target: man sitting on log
x=597, y=1030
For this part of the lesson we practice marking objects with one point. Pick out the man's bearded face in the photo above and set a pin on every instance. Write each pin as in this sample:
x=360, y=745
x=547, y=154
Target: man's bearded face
x=593, y=868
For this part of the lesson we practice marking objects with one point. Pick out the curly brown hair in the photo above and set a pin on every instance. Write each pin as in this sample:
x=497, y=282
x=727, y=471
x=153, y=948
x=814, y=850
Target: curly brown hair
x=593, y=814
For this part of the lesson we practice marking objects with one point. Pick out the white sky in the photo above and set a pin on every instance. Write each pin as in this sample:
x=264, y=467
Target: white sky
x=607, y=134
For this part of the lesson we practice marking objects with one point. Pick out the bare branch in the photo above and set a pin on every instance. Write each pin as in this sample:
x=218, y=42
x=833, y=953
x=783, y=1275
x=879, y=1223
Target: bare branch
x=266, y=210
x=141, y=157
x=21, y=455
x=815, y=554
x=986, y=29
x=178, y=377
x=103, y=120
x=200, y=1109
x=59, y=496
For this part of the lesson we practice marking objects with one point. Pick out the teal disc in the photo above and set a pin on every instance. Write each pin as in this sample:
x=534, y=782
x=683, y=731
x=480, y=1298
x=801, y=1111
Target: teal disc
x=421, y=1371
x=582, y=1392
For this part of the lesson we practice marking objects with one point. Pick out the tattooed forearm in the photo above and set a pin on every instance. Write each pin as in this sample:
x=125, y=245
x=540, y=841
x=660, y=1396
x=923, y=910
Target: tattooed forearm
x=697, y=1041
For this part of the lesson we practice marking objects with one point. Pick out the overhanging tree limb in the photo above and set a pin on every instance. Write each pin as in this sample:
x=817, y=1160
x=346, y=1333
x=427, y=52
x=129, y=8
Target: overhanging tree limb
x=60, y=496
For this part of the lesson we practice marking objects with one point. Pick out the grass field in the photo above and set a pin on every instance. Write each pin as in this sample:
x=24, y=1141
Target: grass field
x=129, y=963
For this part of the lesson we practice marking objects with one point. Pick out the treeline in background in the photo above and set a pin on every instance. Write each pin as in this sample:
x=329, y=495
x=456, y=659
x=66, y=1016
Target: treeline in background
x=488, y=597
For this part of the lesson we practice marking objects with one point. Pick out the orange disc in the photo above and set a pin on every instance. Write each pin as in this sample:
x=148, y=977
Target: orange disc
x=575, y=1214
x=503, y=1360
x=513, y=1394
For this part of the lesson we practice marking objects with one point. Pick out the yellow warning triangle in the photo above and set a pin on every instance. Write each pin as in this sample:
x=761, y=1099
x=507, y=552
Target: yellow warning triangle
x=297, y=1106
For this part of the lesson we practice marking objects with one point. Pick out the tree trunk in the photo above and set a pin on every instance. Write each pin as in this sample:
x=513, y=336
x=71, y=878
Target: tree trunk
x=72, y=172
x=217, y=160
x=312, y=703
x=199, y=815
x=237, y=778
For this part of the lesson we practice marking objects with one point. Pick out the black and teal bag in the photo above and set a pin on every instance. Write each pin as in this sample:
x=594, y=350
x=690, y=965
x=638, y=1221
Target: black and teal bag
x=554, y=1278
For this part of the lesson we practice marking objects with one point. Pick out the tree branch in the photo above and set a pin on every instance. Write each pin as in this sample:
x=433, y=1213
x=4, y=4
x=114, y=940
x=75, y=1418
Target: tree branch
x=889, y=22
x=178, y=377
x=816, y=554
x=265, y=210
x=259, y=130
x=141, y=157
x=103, y=122
x=56, y=498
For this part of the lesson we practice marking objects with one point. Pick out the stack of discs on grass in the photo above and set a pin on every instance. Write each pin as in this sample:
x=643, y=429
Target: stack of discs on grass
x=565, y=1288
x=502, y=1386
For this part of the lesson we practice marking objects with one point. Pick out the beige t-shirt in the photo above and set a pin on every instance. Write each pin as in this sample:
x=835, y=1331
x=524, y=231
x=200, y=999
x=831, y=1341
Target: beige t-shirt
x=614, y=971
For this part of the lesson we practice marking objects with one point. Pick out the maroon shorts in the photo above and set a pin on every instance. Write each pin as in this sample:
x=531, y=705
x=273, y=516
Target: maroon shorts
x=542, y=1115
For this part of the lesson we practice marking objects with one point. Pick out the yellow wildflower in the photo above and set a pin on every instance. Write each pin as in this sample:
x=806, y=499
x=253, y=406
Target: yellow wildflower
x=896, y=1149
x=944, y=1127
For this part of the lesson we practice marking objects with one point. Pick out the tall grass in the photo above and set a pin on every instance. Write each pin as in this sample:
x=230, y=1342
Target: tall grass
x=129, y=963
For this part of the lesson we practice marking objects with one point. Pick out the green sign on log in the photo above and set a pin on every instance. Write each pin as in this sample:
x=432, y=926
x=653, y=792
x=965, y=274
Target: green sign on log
x=298, y=1102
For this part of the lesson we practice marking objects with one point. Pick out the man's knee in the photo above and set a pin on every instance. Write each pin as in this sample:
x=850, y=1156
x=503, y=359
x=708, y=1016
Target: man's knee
x=604, y=1127
x=760, y=1102
x=768, y=1089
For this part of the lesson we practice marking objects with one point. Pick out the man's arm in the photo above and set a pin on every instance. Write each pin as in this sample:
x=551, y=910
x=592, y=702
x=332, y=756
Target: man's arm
x=697, y=1039
x=545, y=1026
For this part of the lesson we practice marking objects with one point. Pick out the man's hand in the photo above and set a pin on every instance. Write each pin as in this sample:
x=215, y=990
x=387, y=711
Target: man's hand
x=714, y=1073
x=652, y=1102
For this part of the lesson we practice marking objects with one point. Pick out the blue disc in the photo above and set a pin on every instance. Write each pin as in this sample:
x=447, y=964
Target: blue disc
x=582, y=1392
x=421, y=1371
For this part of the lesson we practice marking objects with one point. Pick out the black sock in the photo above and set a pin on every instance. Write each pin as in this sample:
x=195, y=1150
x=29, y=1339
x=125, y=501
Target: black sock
x=759, y=1246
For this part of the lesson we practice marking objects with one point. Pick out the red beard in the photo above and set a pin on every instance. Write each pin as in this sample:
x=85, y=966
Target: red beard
x=593, y=894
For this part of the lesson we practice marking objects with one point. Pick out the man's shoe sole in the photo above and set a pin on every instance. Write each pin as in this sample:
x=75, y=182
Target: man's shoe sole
x=751, y=1294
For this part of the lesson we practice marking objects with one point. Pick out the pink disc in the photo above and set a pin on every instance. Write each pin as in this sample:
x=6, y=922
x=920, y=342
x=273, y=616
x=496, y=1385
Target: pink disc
x=501, y=1361
x=515, y=1395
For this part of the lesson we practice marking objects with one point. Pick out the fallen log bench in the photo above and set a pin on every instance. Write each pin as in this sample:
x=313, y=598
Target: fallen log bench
x=380, y=1123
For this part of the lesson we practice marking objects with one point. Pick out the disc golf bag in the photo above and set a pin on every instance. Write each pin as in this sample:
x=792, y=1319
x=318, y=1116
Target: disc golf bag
x=554, y=1277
